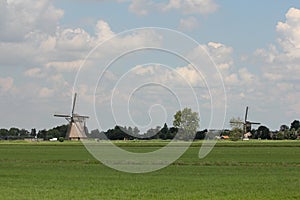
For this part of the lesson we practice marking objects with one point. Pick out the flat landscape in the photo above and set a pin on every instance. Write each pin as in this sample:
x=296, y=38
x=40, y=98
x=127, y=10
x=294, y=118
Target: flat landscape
x=233, y=170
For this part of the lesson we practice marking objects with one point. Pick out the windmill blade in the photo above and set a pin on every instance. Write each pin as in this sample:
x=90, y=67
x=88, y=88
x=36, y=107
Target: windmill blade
x=61, y=115
x=82, y=116
x=236, y=122
x=257, y=123
x=246, y=115
x=74, y=102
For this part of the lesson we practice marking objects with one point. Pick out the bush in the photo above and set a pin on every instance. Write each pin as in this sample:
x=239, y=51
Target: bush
x=61, y=139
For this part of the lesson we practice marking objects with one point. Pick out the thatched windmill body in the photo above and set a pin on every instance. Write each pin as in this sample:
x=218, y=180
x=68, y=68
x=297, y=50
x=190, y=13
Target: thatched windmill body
x=246, y=125
x=77, y=123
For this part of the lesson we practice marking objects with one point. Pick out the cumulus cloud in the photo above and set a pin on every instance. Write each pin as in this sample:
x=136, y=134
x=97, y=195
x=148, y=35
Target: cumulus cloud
x=144, y=7
x=219, y=53
x=34, y=73
x=246, y=75
x=280, y=70
x=188, y=24
x=6, y=84
x=282, y=62
x=45, y=92
x=141, y=7
x=103, y=30
x=290, y=33
x=63, y=66
x=20, y=18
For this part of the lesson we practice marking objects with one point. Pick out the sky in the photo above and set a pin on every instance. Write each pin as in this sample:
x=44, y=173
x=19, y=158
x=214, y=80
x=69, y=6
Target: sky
x=137, y=62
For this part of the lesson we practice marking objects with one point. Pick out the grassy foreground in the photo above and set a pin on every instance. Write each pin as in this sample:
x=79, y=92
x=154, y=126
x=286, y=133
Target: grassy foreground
x=233, y=170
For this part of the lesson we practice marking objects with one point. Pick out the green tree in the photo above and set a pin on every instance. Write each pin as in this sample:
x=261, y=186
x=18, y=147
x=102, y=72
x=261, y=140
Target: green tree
x=33, y=132
x=3, y=132
x=236, y=123
x=43, y=134
x=23, y=133
x=263, y=132
x=235, y=134
x=163, y=133
x=136, y=131
x=280, y=135
x=187, y=123
x=293, y=134
x=13, y=132
x=295, y=125
x=284, y=128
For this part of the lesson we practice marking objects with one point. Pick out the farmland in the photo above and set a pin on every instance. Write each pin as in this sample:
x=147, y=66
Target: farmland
x=233, y=170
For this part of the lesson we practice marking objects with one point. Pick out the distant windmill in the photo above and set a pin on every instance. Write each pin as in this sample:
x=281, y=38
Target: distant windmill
x=77, y=124
x=246, y=125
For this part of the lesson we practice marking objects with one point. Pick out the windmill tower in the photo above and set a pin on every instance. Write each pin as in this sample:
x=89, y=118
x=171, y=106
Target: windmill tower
x=246, y=125
x=77, y=124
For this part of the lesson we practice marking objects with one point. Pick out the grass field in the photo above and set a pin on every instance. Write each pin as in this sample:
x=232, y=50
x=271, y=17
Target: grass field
x=233, y=170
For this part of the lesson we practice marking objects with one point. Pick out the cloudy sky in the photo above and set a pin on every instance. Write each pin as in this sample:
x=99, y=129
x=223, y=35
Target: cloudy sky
x=213, y=56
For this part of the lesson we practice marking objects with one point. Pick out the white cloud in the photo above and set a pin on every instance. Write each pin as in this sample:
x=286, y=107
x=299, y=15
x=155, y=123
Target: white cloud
x=280, y=71
x=103, y=30
x=179, y=76
x=190, y=75
x=246, y=76
x=45, y=92
x=290, y=33
x=35, y=73
x=231, y=79
x=282, y=63
x=219, y=53
x=62, y=66
x=144, y=7
x=6, y=84
x=140, y=70
x=188, y=24
x=198, y=6
x=20, y=18
x=140, y=7
x=72, y=39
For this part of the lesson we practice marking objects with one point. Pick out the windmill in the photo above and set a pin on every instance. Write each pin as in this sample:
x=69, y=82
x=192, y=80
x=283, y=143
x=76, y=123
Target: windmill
x=246, y=124
x=77, y=123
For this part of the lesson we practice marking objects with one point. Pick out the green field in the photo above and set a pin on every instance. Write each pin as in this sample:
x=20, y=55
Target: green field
x=233, y=170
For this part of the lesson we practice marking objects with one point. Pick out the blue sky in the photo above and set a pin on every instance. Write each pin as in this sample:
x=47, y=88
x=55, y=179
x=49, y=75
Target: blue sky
x=254, y=44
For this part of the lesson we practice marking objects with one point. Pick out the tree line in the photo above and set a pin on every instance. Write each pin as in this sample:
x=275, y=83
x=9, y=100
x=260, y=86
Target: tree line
x=185, y=126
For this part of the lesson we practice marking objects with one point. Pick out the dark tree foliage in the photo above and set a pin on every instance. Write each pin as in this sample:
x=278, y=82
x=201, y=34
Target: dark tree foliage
x=200, y=135
x=295, y=125
x=4, y=133
x=284, y=128
x=56, y=132
x=263, y=132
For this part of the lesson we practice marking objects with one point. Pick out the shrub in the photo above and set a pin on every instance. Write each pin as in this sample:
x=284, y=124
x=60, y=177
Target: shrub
x=61, y=139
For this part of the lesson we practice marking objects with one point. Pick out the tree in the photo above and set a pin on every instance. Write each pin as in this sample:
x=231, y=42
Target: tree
x=33, y=132
x=284, y=128
x=43, y=134
x=263, y=132
x=163, y=133
x=236, y=123
x=23, y=133
x=3, y=132
x=136, y=131
x=200, y=135
x=280, y=135
x=187, y=123
x=295, y=125
x=13, y=132
x=236, y=134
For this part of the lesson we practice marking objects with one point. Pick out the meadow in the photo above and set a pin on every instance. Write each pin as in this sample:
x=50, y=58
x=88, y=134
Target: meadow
x=233, y=170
